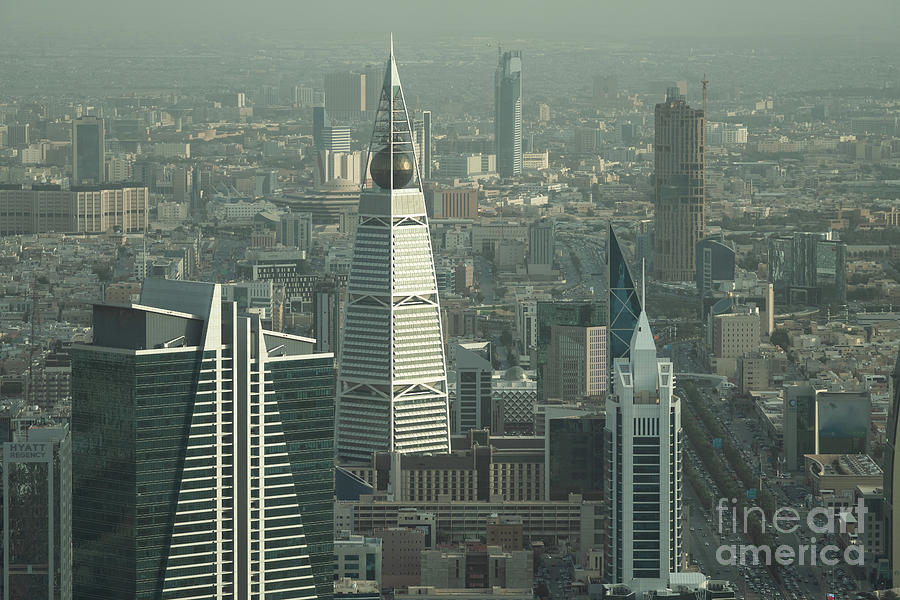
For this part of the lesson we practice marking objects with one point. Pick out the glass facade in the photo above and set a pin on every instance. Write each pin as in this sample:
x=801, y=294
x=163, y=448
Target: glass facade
x=304, y=395
x=202, y=471
x=624, y=303
x=576, y=457
x=568, y=313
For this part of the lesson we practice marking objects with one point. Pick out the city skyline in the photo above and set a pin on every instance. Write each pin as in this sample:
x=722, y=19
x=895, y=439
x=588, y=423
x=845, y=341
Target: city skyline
x=541, y=322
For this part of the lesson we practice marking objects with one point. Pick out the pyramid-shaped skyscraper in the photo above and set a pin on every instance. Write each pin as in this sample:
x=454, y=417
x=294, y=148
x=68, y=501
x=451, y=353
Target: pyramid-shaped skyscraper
x=392, y=381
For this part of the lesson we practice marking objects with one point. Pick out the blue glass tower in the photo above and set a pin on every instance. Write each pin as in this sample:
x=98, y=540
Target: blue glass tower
x=624, y=303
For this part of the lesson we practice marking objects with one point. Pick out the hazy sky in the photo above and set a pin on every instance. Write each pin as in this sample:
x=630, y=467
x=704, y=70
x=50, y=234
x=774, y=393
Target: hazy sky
x=598, y=20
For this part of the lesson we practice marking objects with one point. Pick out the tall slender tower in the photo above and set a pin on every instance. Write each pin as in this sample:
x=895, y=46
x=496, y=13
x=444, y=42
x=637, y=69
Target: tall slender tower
x=679, y=187
x=427, y=146
x=508, y=113
x=643, y=437
x=392, y=383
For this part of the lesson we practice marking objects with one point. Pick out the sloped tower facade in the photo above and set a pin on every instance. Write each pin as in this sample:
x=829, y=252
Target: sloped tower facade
x=392, y=382
x=624, y=305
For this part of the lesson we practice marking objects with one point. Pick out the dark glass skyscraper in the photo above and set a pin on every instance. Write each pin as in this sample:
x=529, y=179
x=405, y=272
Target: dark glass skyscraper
x=202, y=453
x=808, y=268
x=715, y=262
x=88, y=151
x=576, y=456
x=508, y=113
x=624, y=303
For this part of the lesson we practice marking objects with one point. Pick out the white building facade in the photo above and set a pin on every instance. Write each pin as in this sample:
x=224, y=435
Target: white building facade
x=392, y=384
x=644, y=441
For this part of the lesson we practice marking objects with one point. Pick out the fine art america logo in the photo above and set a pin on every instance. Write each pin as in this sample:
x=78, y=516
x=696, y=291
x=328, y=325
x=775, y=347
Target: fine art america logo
x=820, y=521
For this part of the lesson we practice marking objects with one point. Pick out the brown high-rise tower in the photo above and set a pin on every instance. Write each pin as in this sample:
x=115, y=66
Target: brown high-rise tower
x=679, y=187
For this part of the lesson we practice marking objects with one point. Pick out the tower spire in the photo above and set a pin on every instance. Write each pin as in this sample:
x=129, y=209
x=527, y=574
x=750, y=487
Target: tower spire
x=643, y=282
x=391, y=151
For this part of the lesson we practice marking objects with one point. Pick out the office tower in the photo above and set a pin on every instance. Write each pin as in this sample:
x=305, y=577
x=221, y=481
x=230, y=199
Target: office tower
x=197, y=200
x=336, y=138
x=508, y=113
x=574, y=446
x=715, y=262
x=541, y=245
x=582, y=314
x=473, y=386
x=267, y=95
x=373, y=75
x=88, y=150
x=843, y=421
x=295, y=231
x=202, y=453
x=679, y=187
x=320, y=122
x=624, y=304
x=392, y=386
x=182, y=185
x=808, y=268
x=643, y=486
x=643, y=245
x=345, y=94
x=799, y=423
x=892, y=479
x=419, y=141
x=37, y=511
x=328, y=308
x=576, y=367
x=17, y=136
x=427, y=146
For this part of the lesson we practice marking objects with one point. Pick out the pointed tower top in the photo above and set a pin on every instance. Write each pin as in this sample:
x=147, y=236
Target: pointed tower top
x=392, y=152
x=643, y=336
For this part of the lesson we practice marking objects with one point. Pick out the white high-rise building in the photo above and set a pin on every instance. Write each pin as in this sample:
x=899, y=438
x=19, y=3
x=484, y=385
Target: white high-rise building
x=392, y=383
x=644, y=440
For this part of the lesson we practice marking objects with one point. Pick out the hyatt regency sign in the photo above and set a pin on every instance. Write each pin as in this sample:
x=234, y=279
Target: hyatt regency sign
x=27, y=451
